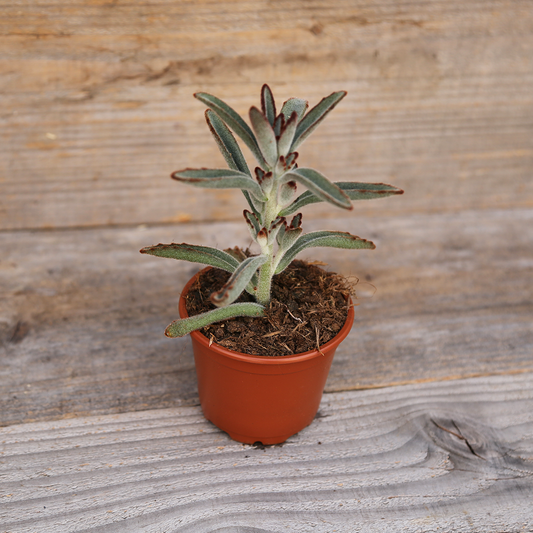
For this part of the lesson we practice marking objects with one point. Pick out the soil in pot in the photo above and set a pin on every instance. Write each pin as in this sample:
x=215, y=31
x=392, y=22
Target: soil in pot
x=308, y=308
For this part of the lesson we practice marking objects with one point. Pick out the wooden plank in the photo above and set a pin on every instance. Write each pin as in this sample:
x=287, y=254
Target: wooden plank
x=83, y=313
x=98, y=106
x=454, y=456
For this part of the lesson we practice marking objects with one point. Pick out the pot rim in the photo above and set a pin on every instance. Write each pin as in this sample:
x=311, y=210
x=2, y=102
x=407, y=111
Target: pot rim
x=265, y=359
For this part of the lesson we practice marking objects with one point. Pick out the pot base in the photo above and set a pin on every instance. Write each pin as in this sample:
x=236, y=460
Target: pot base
x=266, y=441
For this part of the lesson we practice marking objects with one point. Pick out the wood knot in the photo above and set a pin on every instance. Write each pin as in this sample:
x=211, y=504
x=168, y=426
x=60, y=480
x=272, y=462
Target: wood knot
x=20, y=332
x=474, y=446
x=460, y=437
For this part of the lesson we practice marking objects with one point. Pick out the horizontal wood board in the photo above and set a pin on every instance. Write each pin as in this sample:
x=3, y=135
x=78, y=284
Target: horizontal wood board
x=97, y=107
x=83, y=313
x=454, y=456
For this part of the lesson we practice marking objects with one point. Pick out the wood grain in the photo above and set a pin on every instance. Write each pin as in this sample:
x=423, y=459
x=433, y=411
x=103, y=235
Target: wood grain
x=83, y=313
x=98, y=109
x=455, y=456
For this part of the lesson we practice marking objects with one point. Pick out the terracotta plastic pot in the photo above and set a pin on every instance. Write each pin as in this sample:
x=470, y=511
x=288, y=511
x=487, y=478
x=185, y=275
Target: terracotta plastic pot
x=260, y=398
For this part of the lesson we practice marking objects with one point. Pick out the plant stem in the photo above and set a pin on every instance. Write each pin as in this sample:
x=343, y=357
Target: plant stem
x=265, y=282
x=269, y=214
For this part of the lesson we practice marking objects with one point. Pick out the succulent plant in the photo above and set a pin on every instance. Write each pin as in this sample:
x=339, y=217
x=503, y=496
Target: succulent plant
x=271, y=195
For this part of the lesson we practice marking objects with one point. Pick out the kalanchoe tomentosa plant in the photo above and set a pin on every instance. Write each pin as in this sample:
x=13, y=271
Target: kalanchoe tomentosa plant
x=271, y=195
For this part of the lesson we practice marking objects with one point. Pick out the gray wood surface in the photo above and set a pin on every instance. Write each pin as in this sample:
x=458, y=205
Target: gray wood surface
x=453, y=457
x=97, y=106
x=427, y=420
x=83, y=313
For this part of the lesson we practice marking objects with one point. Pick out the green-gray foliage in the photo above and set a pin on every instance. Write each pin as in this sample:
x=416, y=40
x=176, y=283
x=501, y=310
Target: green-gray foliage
x=271, y=195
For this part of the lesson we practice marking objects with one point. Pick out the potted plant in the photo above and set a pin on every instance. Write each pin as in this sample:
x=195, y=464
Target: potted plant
x=256, y=397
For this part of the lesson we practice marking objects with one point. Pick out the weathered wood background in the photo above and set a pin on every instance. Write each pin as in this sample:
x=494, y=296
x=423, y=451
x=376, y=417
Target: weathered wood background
x=83, y=321
x=446, y=457
x=96, y=111
x=97, y=105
